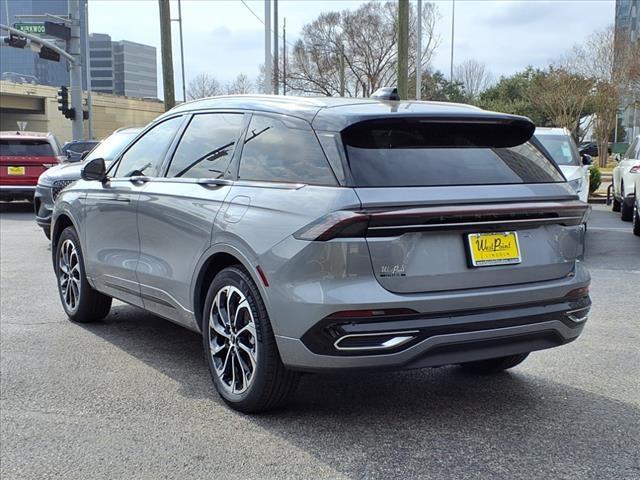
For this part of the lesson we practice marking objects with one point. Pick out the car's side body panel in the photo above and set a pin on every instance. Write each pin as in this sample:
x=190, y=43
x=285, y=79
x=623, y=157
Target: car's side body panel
x=175, y=220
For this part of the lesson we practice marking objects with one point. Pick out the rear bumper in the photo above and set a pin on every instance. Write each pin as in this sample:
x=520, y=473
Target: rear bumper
x=17, y=191
x=443, y=339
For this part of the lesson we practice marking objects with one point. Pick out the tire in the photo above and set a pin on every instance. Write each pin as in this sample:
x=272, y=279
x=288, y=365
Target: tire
x=47, y=233
x=245, y=350
x=495, y=365
x=626, y=211
x=636, y=222
x=80, y=301
x=616, y=205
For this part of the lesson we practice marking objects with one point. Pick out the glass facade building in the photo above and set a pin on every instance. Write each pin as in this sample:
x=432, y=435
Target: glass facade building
x=627, y=26
x=135, y=69
x=25, y=61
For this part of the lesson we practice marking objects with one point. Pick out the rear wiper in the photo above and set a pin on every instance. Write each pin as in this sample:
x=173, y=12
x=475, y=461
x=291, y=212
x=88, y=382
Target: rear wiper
x=212, y=155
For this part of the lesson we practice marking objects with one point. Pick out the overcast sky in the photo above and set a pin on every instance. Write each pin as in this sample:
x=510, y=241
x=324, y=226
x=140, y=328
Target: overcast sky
x=223, y=38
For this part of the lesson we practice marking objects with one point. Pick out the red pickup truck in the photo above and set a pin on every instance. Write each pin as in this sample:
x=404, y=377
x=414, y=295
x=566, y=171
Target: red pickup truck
x=23, y=157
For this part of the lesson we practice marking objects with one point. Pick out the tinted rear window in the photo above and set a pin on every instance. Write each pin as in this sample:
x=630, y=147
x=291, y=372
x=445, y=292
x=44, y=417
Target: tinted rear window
x=396, y=154
x=26, y=148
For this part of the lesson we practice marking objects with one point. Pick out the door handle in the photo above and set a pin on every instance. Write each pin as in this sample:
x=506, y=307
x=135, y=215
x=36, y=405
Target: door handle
x=139, y=180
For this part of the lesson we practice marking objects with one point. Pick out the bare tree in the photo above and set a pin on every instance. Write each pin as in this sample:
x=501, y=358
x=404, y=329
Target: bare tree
x=474, y=77
x=367, y=38
x=562, y=96
x=240, y=85
x=613, y=63
x=203, y=85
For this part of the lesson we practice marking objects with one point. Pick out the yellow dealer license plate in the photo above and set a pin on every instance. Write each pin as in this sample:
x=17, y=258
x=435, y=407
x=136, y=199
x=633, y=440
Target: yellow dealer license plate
x=15, y=170
x=494, y=248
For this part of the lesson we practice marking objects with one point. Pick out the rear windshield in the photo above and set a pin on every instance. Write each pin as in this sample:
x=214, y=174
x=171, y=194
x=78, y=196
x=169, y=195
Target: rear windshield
x=561, y=149
x=25, y=148
x=384, y=154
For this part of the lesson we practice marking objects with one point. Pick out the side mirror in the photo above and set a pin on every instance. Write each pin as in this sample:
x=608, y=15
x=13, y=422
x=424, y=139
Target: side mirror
x=69, y=154
x=586, y=159
x=94, y=170
x=84, y=154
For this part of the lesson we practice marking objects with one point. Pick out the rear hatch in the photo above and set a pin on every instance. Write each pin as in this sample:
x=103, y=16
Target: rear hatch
x=461, y=205
x=22, y=160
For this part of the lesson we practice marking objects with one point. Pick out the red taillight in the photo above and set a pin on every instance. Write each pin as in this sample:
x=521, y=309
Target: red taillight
x=353, y=224
x=339, y=224
x=635, y=169
x=578, y=293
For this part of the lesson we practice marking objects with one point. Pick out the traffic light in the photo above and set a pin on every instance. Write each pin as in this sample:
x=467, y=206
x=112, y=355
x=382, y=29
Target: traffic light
x=15, y=41
x=47, y=53
x=63, y=103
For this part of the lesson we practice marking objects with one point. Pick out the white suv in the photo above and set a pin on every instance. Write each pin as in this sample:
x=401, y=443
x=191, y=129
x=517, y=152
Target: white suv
x=575, y=167
x=624, y=175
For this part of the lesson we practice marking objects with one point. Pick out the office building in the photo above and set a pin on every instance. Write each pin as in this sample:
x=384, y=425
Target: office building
x=627, y=28
x=101, y=60
x=135, y=69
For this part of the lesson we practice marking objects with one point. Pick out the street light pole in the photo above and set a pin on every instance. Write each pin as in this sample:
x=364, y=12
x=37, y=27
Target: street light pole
x=403, y=47
x=419, y=54
x=75, y=70
x=268, y=79
x=276, y=80
x=184, y=88
x=453, y=21
x=87, y=68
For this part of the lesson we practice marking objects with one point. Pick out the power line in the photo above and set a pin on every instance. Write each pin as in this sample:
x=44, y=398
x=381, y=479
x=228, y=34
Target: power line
x=252, y=12
x=262, y=22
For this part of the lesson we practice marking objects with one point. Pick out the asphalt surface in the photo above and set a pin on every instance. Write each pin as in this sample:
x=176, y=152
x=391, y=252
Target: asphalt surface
x=130, y=397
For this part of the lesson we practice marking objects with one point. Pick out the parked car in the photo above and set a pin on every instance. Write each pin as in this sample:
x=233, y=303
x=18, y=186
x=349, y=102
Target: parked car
x=591, y=149
x=51, y=182
x=575, y=166
x=23, y=158
x=300, y=234
x=76, y=149
x=624, y=175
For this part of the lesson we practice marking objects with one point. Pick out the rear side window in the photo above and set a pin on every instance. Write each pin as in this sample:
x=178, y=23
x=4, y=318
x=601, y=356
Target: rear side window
x=26, y=148
x=561, y=148
x=206, y=146
x=275, y=151
x=631, y=151
x=411, y=153
x=145, y=157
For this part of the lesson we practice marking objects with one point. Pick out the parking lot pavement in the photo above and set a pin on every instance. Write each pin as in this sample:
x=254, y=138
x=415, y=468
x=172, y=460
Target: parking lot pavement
x=130, y=397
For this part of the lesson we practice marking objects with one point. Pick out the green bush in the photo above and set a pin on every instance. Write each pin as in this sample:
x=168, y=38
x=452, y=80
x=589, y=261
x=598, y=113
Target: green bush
x=595, y=179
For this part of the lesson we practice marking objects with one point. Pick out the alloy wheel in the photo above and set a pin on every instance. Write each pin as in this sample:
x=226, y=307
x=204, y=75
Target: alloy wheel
x=232, y=340
x=69, y=274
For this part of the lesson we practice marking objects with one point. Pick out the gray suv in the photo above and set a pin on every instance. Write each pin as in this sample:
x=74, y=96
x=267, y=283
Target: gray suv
x=316, y=235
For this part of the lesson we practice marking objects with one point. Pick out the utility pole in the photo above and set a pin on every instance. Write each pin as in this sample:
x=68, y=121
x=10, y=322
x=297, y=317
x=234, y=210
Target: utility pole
x=87, y=68
x=341, y=69
x=184, y=87
x=403, y=47
x=75, y=70
x=284, y=56
x=453, y=22
x=167, y=56
x=268, y=79
x=419, y=54
x=276, y=80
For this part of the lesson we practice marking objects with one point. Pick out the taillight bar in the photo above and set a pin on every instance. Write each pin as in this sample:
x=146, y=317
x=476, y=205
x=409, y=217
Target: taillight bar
x=349, y=224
